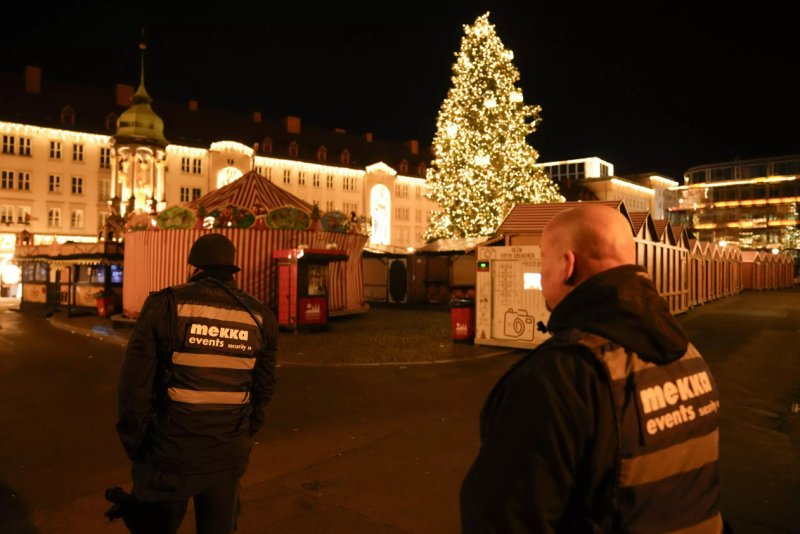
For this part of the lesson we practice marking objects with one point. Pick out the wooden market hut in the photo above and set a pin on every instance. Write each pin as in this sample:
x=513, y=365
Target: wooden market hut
x=752, y=270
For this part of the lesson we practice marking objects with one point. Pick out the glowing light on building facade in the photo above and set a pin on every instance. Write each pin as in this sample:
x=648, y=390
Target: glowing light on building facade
x=380, y=208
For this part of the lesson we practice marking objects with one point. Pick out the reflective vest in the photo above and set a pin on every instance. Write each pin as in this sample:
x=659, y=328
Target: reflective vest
x=667, y=478
x=202, y=426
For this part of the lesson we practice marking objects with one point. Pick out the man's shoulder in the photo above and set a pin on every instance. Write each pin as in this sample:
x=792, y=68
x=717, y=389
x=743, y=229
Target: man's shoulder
x=555, y=356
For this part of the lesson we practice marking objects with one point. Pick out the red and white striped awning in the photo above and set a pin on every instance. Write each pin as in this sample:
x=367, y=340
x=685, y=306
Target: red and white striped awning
x=247, y=192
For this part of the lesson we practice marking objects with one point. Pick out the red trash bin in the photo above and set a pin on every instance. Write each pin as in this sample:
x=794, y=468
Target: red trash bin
x=462, y=313
x=105, y=306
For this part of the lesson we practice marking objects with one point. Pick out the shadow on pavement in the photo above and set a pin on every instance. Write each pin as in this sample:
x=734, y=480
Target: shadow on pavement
x=14, y=513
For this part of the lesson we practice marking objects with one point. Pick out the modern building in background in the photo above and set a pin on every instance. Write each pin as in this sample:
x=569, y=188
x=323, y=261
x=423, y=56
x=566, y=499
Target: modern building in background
x=750, y=203
x=68, y=151
x=641, y=192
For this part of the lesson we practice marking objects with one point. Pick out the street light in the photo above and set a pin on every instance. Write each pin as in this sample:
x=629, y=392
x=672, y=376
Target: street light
x=775, y=250
x=723, y=243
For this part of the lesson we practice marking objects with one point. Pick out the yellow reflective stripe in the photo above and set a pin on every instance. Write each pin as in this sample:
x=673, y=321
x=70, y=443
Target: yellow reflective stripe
x=208, y=397
x=687, y=456
x=217, y=314
x=620, y=362
x=212, y=360
x=709, y=526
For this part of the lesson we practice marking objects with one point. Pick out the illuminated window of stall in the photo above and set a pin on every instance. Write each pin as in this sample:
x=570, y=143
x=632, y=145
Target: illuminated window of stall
x=532, y=281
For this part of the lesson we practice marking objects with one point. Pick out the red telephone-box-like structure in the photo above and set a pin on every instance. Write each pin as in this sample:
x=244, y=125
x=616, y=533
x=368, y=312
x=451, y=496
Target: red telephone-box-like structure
x=303, y=286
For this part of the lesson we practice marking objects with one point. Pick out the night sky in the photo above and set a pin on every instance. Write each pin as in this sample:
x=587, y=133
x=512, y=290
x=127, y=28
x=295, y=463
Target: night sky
x=649, y=89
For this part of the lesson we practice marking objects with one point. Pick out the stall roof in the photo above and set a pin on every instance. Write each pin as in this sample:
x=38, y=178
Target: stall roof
x=249, y=191
x=374, y=249
x=530, y=219
x=310, y=254
x=638, y=219
x=442, y=247
x=661, y=227
x=71, y=253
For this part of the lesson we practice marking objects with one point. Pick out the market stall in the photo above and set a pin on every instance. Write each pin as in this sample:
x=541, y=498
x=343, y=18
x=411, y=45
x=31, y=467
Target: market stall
x=259, y=218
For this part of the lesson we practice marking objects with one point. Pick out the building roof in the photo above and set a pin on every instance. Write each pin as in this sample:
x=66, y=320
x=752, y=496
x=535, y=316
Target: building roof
x=532, y=218
x=451, y=246
x=199, y=128
x=140, y=122
x=250, y=191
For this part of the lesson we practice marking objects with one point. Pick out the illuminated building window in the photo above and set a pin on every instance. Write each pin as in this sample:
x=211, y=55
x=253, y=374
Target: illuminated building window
x=322, y=154
x=266, y=146
x=77, y=152
x=7, y=214
x=228, y=175
x=24, y=146
x=77, y=218
x=55, y=184
x=315, y=180
x=184, y=194
x=105, y=158
x=293, y=149
x=23, y=214
x=403, y=166
x=8, y=144
x=68, y=116
x=345, y=157
x=301, y=178
x=287, y=176
x=330, y=181
x=55, y=150
x=77, y=185
x=380, y=211
x=104, y=190
x=196, y=193
x=421, y=169
x=54, y=217
x=24, y=181
x=329, y=205
x=111, y=121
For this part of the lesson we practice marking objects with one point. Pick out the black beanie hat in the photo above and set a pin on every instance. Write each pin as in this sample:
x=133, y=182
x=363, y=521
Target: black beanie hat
x=214, y=252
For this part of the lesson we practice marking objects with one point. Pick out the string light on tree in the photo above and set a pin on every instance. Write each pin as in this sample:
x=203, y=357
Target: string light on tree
x=483, y=164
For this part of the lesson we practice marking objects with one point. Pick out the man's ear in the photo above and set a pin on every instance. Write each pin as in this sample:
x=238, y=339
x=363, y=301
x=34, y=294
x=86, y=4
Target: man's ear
x=569, y=268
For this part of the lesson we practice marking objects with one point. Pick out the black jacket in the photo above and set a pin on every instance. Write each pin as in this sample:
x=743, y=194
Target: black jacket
x=548, y=435
x=149, y=421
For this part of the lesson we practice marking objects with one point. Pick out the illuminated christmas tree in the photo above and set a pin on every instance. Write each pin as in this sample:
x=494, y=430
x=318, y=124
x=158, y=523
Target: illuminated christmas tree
x=483, y=164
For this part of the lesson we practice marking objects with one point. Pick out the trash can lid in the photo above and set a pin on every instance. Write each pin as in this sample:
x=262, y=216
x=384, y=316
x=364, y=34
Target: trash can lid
x=461, y=303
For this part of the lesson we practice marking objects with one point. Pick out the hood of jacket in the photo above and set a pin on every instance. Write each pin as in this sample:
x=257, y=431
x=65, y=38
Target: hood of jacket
x=623, y=305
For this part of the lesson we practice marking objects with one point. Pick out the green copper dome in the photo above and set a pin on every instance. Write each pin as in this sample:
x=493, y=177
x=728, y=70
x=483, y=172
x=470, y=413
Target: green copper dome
x=140, y=121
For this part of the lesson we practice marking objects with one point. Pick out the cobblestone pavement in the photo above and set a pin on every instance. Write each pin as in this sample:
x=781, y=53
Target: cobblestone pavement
x=383, y=335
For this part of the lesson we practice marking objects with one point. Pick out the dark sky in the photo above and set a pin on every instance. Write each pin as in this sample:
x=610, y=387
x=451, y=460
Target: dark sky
x=647, y=88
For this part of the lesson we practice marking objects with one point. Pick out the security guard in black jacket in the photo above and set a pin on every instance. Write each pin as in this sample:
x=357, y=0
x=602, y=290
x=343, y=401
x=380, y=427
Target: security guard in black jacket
x=609, y=426
x=196, y=378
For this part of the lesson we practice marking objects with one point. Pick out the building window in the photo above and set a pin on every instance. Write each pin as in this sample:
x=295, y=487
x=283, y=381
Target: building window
x=24, y=146
x=7, y=214
x=184, y=194
x=418, y=191
x=111, y=121
x=330, y=181
x=77, y=152
x=102, y=218
x=196, y=193
x=722, y=175
x=54, y=217
x=185, y=164
x=316, y=202
x=197, y=166
x=417, y=235
x=401, y=214
x=105, y=190
x=322, y=154
x=403, y=166
x=55, y=149
x=421, y=169
x=23, y=214
x=268, y=173
x=315, y=180
x=347, y=184
x=293, y=149
x=419, y=216
x=8, y=144
x=77, y=218
x=345, y=157
x=8, y=180
x=68, y=116
x=24, y=181
x=55, y=184
x=287, y=176
x=786, y=168
x=105, y=158
x=301, y=178
x=329, y=205
x=266, y=146
x=77, y=186
x=603, y=169
x=401, y=190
